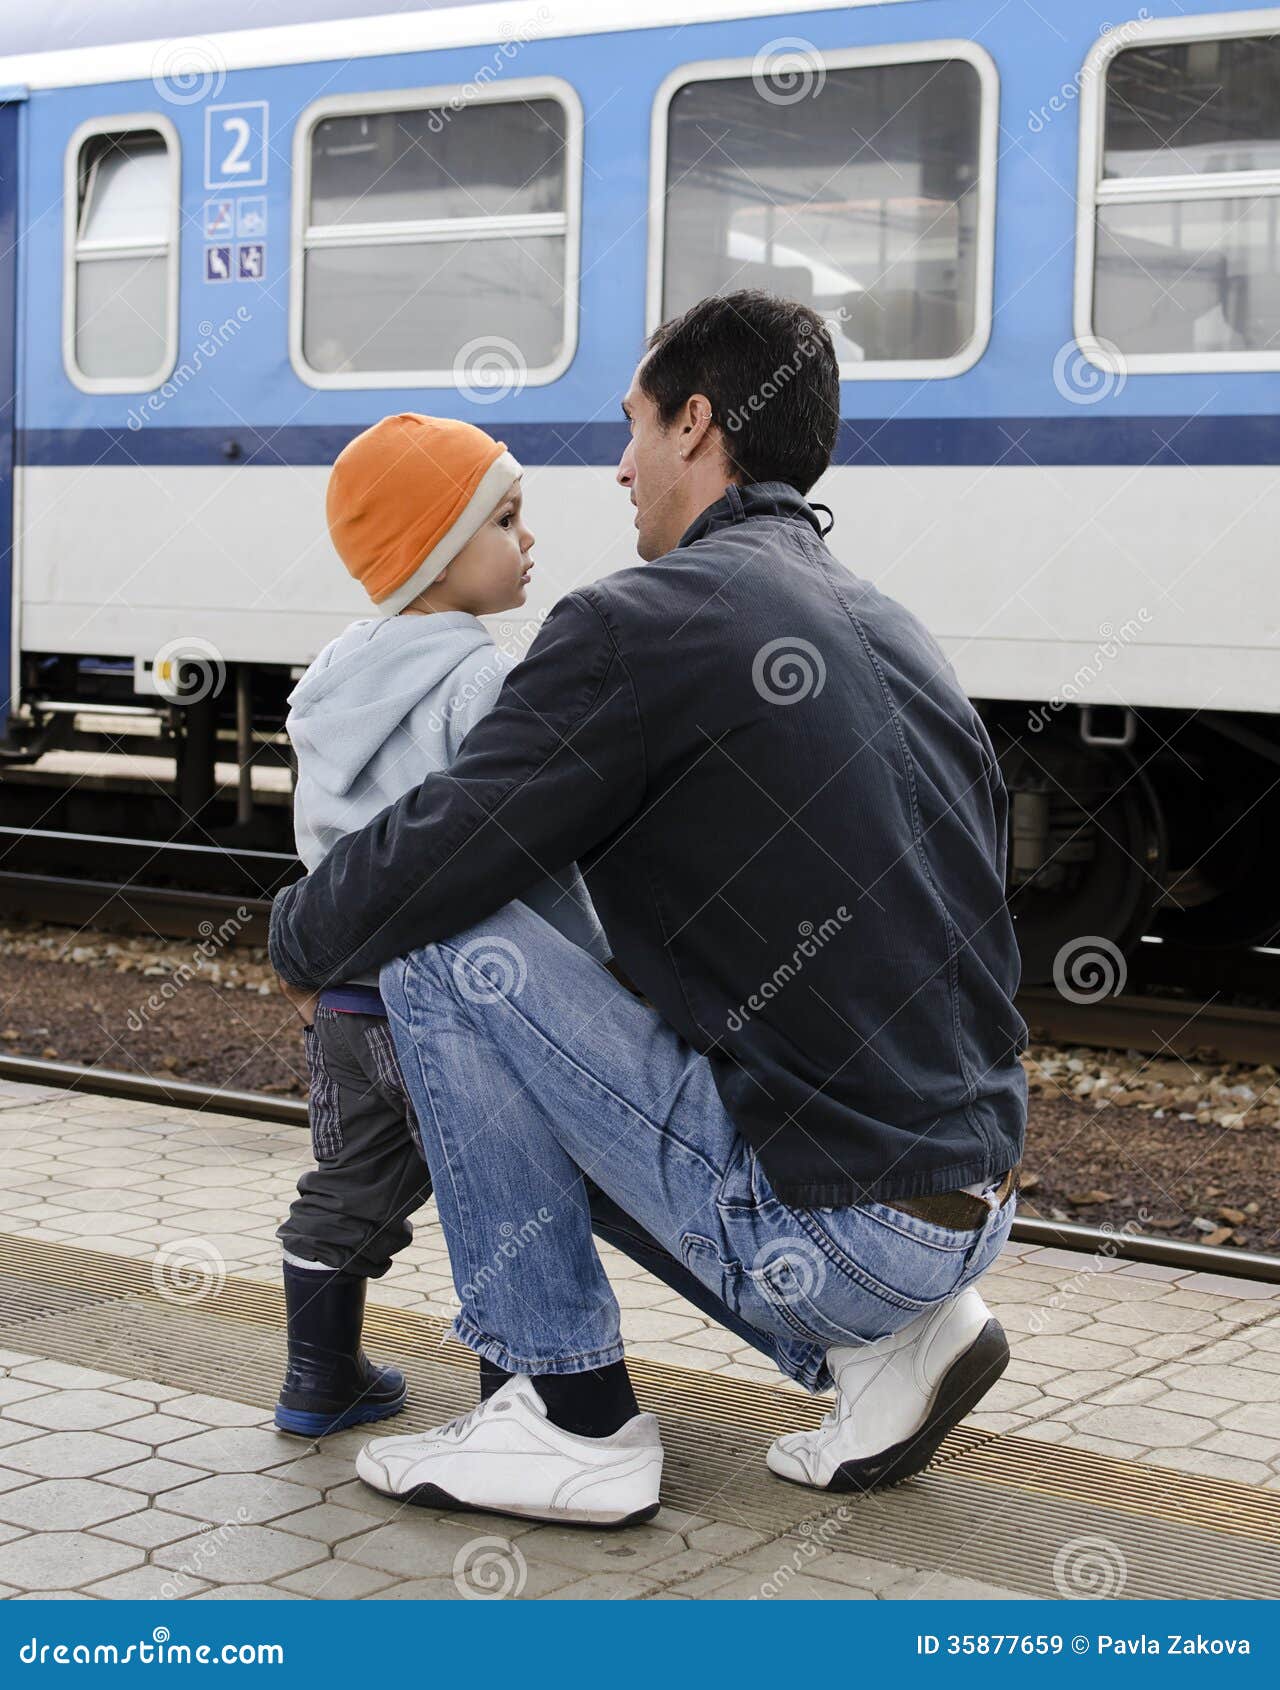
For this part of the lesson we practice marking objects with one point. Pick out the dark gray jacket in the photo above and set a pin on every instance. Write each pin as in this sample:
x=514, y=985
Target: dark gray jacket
x=792, y=824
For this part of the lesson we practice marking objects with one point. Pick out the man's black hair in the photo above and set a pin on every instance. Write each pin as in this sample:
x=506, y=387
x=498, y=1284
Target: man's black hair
x=769, y=369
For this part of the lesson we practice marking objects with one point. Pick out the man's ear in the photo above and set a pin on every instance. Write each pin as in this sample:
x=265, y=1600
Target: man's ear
x=696, y=420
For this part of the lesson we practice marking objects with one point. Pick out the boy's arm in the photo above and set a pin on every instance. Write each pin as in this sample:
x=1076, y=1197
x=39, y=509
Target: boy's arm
x=551, y=772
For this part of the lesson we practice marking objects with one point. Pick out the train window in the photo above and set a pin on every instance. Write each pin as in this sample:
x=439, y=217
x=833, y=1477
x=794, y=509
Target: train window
x=1180, y=261
x=857, y=183
x=439, y=239
x=120, y=314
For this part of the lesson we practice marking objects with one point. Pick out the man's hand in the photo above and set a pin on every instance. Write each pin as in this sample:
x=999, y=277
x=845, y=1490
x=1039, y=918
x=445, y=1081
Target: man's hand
x=304, y=1002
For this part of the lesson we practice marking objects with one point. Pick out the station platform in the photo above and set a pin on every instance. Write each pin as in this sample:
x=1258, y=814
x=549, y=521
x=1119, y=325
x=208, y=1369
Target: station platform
x=1131, y=1451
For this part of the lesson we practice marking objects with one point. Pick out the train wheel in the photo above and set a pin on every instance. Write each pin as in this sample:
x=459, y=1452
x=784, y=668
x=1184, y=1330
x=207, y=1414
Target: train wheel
x=1087, y=852
x=1228, y=895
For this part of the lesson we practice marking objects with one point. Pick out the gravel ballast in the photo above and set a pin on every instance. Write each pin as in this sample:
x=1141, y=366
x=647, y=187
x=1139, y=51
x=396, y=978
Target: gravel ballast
x=1182, y=1148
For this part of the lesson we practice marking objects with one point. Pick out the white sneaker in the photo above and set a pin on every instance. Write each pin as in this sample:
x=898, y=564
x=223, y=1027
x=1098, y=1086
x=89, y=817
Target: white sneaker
x=897, y=1398
x=506, y=1457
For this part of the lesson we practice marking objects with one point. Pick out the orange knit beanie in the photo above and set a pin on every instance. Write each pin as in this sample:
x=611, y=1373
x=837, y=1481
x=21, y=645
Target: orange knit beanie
x=405, y=497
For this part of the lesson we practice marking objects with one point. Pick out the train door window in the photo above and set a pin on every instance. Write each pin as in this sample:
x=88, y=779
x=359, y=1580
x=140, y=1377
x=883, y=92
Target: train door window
x=121, y=288
x=439, y=240
x=1180, y=237
x=861, y=183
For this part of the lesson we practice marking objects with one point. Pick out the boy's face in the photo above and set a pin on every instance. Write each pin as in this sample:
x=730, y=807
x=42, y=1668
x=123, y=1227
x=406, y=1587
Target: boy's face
x=491, y=572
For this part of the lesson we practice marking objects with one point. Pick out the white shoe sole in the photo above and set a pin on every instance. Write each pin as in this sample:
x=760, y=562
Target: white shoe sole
x=432, y=1496
x=968, y=1379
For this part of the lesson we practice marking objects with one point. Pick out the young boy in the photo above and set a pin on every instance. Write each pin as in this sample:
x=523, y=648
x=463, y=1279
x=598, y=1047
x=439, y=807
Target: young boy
x=427, y=515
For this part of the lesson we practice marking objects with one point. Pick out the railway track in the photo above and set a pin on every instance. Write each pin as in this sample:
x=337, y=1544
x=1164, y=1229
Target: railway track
x=1108, y=1243
x=1181, y=1001
x=169, y=889
x=1133, y=1021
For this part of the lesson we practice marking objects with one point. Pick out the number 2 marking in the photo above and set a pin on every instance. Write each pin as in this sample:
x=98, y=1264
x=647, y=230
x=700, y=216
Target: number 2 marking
x=235, y=163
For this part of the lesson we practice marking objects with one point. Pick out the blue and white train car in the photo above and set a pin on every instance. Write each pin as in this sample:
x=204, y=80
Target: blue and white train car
x=1050, y=257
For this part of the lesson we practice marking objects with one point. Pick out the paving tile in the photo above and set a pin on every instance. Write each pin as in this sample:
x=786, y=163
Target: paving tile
x=75, y=1411
x=1104, y=1446
x=1243, y=1444
x=14, y=1432
x=239, y=1554
x=53, y=1596
x=63, y=1560
x=800, y=1587
x=251, y=1593
x=232, y=1449
x=1260, y=1418
x=60, y=1505
x=945, y=1587
x=115, y=1225
x=1241, y=1290
x=67, y=1376
x=607, y=1587
x=251, y=1498
x=721, y=1538
x=72, y=1455
x=320, y=1470
x=356, y=1494
x=157, y=1430
x=144, y=1389
x=411, y=1546
x=1211, y=1463
x=148, y=1529
x=327, y=1522
x=1070, y=1353
x=590, y=1552
x=337, y=1581
x=146, y=1584
x=1238, y=1384
x=1151, y=1270
x=15, y=1389
x=420, y=1590
x=1141, y=1423
x=214, y=1411
x=155, y=1475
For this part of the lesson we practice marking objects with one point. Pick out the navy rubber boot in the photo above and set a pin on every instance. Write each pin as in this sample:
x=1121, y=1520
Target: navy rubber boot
x=330, y=1383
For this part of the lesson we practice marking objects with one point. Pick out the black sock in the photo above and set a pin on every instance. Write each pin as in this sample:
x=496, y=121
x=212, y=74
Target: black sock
x=590, y=1404
x=492, y=1378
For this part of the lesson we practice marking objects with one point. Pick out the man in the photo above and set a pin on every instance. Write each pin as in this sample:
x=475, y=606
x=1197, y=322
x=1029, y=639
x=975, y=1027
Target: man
x=792, y=824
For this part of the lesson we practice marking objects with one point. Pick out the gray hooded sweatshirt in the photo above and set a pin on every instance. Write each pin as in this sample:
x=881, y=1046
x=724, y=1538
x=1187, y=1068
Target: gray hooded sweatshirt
x=386, y=704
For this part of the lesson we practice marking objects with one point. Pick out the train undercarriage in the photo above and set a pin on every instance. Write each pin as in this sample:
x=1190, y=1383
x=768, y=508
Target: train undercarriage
x=1123, y=824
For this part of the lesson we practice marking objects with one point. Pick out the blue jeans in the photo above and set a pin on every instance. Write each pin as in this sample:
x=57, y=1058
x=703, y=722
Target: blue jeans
x=551, y=1100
